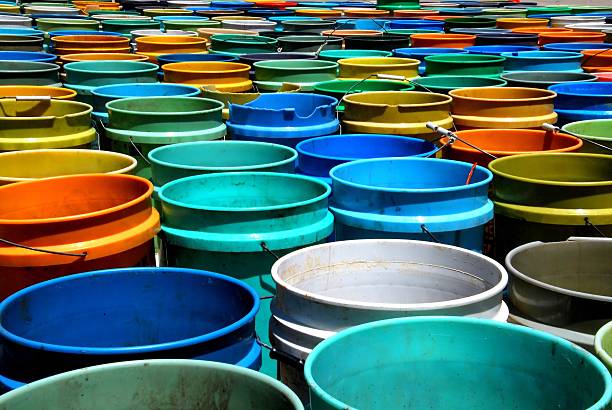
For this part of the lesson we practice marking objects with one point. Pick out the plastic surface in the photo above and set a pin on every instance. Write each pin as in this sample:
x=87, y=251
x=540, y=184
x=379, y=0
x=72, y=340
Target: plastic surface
x=309, y=44
x=339, y=88
x=603, y=345
x=435, y=350
x=464, y=64
x=445, y=83
x=442, y=40
x=29, y=73
x=387, y=42
x=152, y=46
x=571, y=37
x=594, y=130
x=34, y=90
x=542, y=61
x=583, y=101
x=335, y=55
x=369, y=67
x=420, y=53
x=576, y=47
x=26, y=56
x=154, y=313
x=544, y=79
x=225, y=76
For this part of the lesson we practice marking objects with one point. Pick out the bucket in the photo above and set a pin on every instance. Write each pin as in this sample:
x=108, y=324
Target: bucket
x=512, y=23
x=277, y=213
x=29, y=73
x=235, y=45
x=563, y=284
x=85, y=44
x=322, y=13
x=420, y=53
x=544, y=79
x=556, y=10
x=283, y=118
x=309, y=44
x=442, y=40
x=590, y=27
x=542, y=61
x=604, y=77
x=127, y=26
x=12, y=91
x=191, y=25
x=53, y=24
x=339, y=88
x=416, y=24
x=254, y=25
x=368, y=13
x=147, y=33
x=225, y=76
x=166, y=12
x=270, y=75
x=506, y=142
x=20, y=43
x=502, y=107
x=507, y=39
x=94, y=230
x=576, y=47
x=571, y=37
x=71, y=58
x=183, y=57
x=172, y=162
x=335, y=55
x=498, y=50
x=84, y=76
x=154, y=384
x=361, y=24
x=396, y=112
x=159, y=313
x=387, y=42
x=137, y=125
x=370, y=200
x=351, y=33
x=469, y=22
x=603, y=345
x=250, y=59
x=418, y=355
x=28, y=165
x=44, y=123
x=597, y=60
x=541, y=30
x=207, y=33
x=159, y=45
x=218, y=12
x=27, y=56
x=583, y=101
x=443, y=84
x=324, y=289
x=475, y=65
x=317, y=156
x=563, y=21
x=370, y=67
x=592, y=130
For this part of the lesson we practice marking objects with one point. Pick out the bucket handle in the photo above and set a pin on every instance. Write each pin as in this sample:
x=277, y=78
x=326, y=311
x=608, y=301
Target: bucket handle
x=428, y=233
x=555, y=129
x=452, y=136
x=279, y=355
x=131, y=142
x=265, y=248
x=30, y=248
x=588, y=223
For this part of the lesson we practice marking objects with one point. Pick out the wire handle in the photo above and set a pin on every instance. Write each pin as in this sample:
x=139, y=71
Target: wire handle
x=268, y=250
x=279, y=355
x=30, y=248
x=428, y=233
x=555, y=129
x=452, y=136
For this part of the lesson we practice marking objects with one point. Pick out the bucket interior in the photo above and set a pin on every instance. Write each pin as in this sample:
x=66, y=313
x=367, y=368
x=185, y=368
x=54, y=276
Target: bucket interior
x=10, y=108
x=295, y=64
x=455, y=81
x=341, y=87
x=92, y=67
x=351, y=147
x=145, y=90
x=599, y=128
x=547, y=76
x=503, y=93
x=68, y=197
x=26, y=66
x=573, y=265
x=304, y=105
x=458, y=364
x=166, y=105
x=242, y=191
x=414, y=174
x=397, y=98
x=510, y=141
x=127, y=308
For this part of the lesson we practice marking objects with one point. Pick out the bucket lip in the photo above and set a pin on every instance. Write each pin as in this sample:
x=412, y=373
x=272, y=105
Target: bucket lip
x=14, y=298
x=493, y=82
x=37, y=67
x=533, y=335
x=102, y=91
x=443, y=36
x=80, y=38
x=321, y=65
x=467, y=166
x=567, y=127
x=445, y=99
x=493, y=164
x=321, y=87
x=170, y=40
x=232, y=67
x=68, y=58
x=312, y=38
x=86, y=109
x=566, y=89
x=67, y=376
x=379, y=62
x=546, y=94
x=512, y=76
x=464, y=58
x=564, y=291
x=139, y=67
x=599, y=348
x=315, y=181
x=35, y=152
x=300, y=146
x=541, y=55
x=177, y=165
x=218, y=106
x=93, y=214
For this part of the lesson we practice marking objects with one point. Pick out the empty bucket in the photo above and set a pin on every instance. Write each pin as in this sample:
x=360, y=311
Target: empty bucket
x=57, y=93
x=582, y=101
x=603, y=345
x=29, y=73
x=443, y=84
x=224, y=76
x=442, y=40
x=271, y=74
x=370, y=67
x=542, y=61
x=27, y=56
x=158, y=45
x=544, y=79
x=475, y=65
x=599, y=131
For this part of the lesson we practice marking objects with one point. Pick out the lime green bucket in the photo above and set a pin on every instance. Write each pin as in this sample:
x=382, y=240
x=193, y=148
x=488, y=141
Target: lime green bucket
x=603, y=345
x=599, y=131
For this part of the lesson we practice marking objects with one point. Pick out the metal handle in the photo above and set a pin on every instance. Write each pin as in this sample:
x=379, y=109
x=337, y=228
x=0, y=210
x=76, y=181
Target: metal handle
x=30, y=248
x=279, y=355
x=555, y=129
x=268, y=250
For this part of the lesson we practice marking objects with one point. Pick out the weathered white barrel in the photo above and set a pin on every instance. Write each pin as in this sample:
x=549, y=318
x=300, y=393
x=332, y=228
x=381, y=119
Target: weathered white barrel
x=323, y=289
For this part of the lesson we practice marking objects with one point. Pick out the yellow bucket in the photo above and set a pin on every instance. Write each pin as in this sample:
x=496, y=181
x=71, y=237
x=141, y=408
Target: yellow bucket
x=368, y=67
x=58, y=93
x=27, y=165
x=323, y=13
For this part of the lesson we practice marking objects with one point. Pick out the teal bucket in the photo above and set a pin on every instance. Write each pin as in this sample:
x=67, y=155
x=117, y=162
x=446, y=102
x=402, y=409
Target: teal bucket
x=236, y=223
x=453, y=363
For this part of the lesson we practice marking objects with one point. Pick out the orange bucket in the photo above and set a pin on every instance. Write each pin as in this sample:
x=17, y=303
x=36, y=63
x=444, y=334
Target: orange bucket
x=58, y=93
x=70, y=58
x=597, y=60
x=512, y=23
x=89, y=222
x=442, y=40
x=539, y=30
x=366, y=13
x=87, y=42
x=323, y=13
x=571, y=37
x=416, y=14
x=506, y=142
x=153, y=46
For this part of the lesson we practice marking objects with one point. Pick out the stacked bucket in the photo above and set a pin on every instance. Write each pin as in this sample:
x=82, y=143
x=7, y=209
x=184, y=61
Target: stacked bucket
x=288, y=205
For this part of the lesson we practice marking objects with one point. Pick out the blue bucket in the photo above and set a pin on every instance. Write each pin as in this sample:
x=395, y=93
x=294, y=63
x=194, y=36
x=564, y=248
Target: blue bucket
x=27, y=56
x=420, y=53
x=361, y=24
x=269, y=12
x=415, y=24
x=102, y=95
x=235, y=4
x=542, y=61
x=411, y=198
x=498, y=50
x=126, y=314
x=182, y=57
x=459, y=11
x=576, y=47
x=582, y=101
x=283, y=118
x=317, y=156
x=20, y=31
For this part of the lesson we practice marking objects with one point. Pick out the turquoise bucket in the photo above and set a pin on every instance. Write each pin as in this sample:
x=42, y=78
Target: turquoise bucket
x=236, y=223
x=453, y=363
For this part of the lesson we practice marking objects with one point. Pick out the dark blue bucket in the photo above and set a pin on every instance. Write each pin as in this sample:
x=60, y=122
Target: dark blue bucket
x=498, y=50
x=232, y=4
x=126, y=314
x=476, y=31
x=269, y=12
x=317, y=156
x=582, y=101
x=27, y=56
x=576, y=47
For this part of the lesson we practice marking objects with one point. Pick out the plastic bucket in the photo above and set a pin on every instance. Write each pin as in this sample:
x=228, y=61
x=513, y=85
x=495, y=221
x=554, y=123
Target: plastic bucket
x=506, y=142
x=502, y=107
x=563, y=21
x=571, y=37
x=127, y=26
x=191, y=25
x=57, y=93
x=469, y=22
x=583, y=101
x=369, y=67
x=250, y=59
x=283, y=118
x=84, y=44
x=92, y=230
x=317, y=156
x=576, y=47
x=172, y=162
x=335, y=55
x=511, y=23
x=310, y=26
x=396, y=112
x=29, y=73
x=71, y=58
x=232, y=225
x=387, y=42
x=420, y=53
x=603, y=345
x=498, y=50
x=207, y=33
x=443, y=84
x=166, y=12
x=154, y=313
x=544, y=79
x=254, y=25
x=44, y=124
x=237, y=44
x=159, y=45
x=305, y=44
x=592, y=130
x=442, y=40
x=419, y=355
x=146, y=33
x=339, y=88
x=155, y=383
x=324, y=289
x=225, y=76
x=27, y=56
x=507, y=39
x=351, y=33
x=476, y=65
x=52, y=24
x=416, y=24
x=183, y=57
x=270, y=75
x=27, y=165
x=597, y=60
x=542, y=61
x=137, y=125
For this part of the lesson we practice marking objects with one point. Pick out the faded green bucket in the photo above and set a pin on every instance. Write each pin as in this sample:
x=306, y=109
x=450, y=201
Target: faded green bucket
x=445, y=83
x=340, y=88
x=599, y=131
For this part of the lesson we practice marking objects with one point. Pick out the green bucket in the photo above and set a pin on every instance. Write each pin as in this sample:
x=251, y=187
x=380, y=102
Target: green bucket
x=340, y=88
x=603, y=345
x=233, y=44
x=54, y=24
x=127, y=26
x=599, y=131
x=190, y=25
x=270, y=75
x=335, y=55
x=155, y=384
x=560, y=10
x=445, y=83
x=475, y=65
x=469, y=22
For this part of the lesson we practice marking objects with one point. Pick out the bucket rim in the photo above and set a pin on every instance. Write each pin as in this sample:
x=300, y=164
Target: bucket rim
x=139, y=67
x=546, y=94
x=444, y=99
x=599, y=349
x=567, y=127
x=217, y=106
